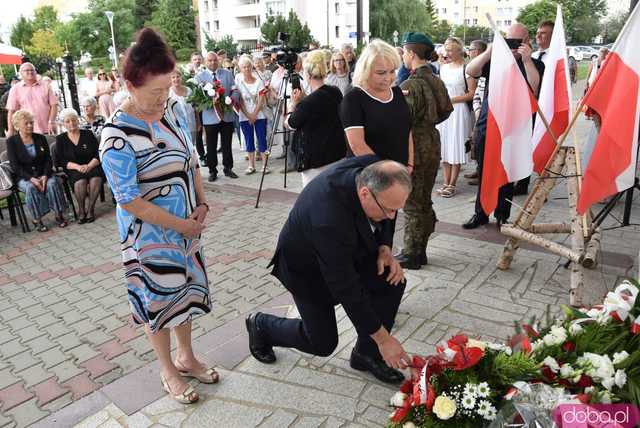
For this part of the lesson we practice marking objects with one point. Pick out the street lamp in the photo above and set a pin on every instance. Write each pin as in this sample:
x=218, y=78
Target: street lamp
x=395, y=38
x=113, y=39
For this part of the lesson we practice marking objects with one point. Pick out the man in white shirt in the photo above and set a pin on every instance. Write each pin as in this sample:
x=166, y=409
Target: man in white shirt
x=543, y=40
x=88, y=84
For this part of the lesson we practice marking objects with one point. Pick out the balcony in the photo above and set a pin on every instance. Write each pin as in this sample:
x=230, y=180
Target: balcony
x=247, y=9
x=247, y=33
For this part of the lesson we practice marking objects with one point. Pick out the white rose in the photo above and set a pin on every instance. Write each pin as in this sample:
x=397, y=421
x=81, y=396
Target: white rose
x=608, y=383
x=444, y=407
x=552, y=364
x=409, y=425
x=620, y=378
x=566, y=371
x=473, y=343
x=397, y=400
x=549, y=339
x=211, y=92
x=619, y=357
x=575, y=329
x=227, y=101
x=208, y=86
x=560, y=333
x=192, y=81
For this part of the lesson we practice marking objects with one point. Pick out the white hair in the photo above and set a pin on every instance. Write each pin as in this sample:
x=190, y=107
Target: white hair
x=67, y=112
x=119, y=97
x=376, y=49
x=245, y=59
x=89, y=101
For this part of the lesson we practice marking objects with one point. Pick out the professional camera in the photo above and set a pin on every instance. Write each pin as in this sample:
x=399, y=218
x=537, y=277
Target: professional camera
x=285, y=56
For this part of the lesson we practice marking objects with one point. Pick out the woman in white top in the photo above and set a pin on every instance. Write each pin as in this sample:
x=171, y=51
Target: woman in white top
x=339, y=75
x=457, y=128
x=181, y=93
x=252, y=118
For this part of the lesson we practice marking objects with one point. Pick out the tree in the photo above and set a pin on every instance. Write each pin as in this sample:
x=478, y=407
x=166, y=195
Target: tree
x=45, y=18
x=142, y=12
x=581, y=17
x=612, y=27
x=21, y=33
x=270, y=28
x=473, y=32
x=225, y=43
x=44, y=44
x=440, y=31
x=300, y=35
x=432, y=12
x=385, y=17
x=175, y=19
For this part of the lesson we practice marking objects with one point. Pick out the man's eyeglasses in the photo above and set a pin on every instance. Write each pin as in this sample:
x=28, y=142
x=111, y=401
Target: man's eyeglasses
x=387, y=213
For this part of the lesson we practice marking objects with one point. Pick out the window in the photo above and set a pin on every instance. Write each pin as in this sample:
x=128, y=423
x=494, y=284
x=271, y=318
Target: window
x=216, y=25
x=456, y=15
x=337, y=5
x=256, y=21
x=444, y=10
x=507, y=22
x=207, y=25
x=467, y=21
x=215, y=4
x=498, y=23
x=475, y=9
x=475, y=22
x=206, y=5
x=337, y=31
x=456, y=2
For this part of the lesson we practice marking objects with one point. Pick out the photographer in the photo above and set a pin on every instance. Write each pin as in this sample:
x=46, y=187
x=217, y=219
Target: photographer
x=316, y=120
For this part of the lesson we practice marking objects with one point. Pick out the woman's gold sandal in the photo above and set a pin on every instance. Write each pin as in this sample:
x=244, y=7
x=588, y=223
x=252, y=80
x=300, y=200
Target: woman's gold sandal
x=188, y=396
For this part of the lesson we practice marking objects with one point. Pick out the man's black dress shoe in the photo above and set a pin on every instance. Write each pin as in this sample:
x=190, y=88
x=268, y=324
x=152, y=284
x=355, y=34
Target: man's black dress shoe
x=475, y=222
x=376, y=367
x=260, y=350
x=212, y=178
x=229, y=173
x=411, y=261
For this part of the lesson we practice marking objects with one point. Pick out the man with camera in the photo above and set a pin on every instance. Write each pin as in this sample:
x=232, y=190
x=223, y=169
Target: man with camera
x=532, y=70
x=335, y=248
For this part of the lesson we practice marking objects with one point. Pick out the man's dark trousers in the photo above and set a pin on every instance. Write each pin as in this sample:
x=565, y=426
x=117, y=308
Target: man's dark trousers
x=225, y=129
x=503, y=209
x=317, y=332
x=199, y=142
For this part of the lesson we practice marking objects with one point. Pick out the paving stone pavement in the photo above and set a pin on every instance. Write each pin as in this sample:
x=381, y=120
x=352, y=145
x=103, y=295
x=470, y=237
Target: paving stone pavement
x=70, y=358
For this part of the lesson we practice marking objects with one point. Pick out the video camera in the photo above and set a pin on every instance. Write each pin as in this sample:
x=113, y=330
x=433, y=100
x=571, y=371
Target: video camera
x=285, y=56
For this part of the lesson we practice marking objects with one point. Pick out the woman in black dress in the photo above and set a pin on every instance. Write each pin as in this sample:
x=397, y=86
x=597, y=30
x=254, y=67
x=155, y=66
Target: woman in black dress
x=374, y=114
x=77, y=153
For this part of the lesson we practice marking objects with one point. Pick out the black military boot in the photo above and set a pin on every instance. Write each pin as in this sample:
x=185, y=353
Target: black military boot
x=410, y=261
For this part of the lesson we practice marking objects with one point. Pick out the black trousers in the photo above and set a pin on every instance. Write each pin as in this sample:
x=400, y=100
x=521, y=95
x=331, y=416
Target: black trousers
x=199, y=140
x=503, y=209
x=225, y=130
x=316, y=332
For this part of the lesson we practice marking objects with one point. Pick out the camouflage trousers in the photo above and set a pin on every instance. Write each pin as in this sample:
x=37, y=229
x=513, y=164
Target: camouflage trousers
x=420, y=219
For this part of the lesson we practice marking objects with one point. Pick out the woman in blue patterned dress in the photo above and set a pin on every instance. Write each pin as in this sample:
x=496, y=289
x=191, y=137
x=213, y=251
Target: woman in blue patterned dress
x=151, y=166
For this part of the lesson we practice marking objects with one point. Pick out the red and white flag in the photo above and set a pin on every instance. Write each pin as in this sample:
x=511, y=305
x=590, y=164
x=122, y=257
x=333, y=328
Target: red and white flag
x=615, y=96
x=508, y=149
x=555, y=97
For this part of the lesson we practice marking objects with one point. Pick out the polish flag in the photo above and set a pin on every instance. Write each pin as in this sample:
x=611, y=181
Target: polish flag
x=508, y=149
x=555, y=95
x=614, y=95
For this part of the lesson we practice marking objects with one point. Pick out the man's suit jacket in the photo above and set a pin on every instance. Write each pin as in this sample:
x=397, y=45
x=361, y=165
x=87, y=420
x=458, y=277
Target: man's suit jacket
x=327, y=249
x=209, y=117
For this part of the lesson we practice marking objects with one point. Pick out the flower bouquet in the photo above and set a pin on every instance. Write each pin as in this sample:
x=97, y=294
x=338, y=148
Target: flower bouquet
x=206, y=96
x=594, y=353
x=462, y=385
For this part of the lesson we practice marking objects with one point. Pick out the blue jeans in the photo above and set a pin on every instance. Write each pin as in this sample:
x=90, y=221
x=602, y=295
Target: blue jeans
x=260, y=130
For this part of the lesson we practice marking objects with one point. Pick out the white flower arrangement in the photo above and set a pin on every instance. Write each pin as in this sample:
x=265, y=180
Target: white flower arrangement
x=552, y=364
x=397, y=400
x=619, y=357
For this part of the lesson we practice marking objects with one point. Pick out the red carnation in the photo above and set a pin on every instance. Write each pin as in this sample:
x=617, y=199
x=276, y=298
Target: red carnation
x=584, y=398
x=220, y=91
x=548, y=373
x=584, y=382
x=568, y=346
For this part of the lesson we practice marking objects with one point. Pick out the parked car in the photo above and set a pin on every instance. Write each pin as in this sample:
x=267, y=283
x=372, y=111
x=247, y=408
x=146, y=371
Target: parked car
x=575, y=53
x=588, y=52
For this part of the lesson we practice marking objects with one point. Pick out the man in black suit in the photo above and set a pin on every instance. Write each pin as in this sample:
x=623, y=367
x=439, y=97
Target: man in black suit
x=335, y=248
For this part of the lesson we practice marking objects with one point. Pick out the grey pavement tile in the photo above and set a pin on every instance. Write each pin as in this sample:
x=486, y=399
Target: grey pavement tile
x=34, y=375
x=279, y=419
x=6, y=335
x=52, y=357
x=27, y=413
x=325, y=382
x=75, y=412
x=7, y=378
x=226, y=414
x=136, y=390
x=66, y=370
x=11, y=348
x=40, y=344
x=310, y=422
x=22, y=361
x=287, y=360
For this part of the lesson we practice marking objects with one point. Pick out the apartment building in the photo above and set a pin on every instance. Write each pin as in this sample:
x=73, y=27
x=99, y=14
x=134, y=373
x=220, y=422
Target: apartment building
x=473, y=12
x=331, y=22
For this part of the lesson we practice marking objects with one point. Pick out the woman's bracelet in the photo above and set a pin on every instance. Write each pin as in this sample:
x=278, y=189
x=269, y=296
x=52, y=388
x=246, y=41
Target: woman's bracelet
x=203, y=204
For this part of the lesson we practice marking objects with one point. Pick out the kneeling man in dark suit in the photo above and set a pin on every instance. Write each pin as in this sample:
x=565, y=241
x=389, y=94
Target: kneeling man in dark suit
x=335, y=248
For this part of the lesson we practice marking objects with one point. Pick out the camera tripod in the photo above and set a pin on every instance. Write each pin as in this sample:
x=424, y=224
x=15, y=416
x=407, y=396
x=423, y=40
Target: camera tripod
x=281, y=106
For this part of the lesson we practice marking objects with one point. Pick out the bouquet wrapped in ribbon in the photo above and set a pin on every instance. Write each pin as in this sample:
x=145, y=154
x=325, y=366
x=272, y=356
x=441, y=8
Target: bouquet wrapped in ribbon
x=206, y=96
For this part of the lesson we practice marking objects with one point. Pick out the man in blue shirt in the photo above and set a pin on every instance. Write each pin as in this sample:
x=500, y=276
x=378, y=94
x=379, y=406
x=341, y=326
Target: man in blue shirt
x=213, y=124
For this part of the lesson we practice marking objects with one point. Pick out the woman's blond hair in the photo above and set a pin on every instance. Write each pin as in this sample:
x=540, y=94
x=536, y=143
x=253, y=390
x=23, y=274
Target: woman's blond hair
x=377, y=48
x=336, y=56
x=454, y=41
x=245, y=59
x=20, y=116
x=315, y=65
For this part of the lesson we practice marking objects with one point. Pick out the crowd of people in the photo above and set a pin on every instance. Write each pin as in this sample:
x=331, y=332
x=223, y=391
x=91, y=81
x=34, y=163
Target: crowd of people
x=395, y=114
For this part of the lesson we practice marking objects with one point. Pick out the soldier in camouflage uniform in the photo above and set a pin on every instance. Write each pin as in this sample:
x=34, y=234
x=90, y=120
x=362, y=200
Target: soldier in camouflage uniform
x=429, y=105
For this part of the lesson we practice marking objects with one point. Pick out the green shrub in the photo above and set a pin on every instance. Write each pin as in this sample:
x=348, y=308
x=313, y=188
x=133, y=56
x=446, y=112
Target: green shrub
x=184, y=54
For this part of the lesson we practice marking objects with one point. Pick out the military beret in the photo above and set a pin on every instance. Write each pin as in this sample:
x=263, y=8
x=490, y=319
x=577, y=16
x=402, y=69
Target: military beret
x=414, y=38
